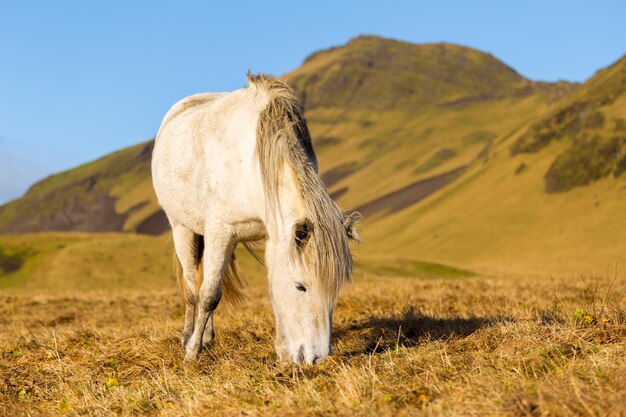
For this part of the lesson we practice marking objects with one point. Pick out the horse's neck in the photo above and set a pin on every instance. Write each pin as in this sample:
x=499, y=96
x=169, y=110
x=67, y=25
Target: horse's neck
x=290, y=208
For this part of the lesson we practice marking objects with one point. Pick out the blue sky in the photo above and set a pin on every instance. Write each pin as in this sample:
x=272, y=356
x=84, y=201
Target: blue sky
x=80, y=79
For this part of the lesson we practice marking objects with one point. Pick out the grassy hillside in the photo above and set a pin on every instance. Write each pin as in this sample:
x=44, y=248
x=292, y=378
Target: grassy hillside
x=57, y=262
x=416, y=98
x=547, y=198
x=409, y=112
x=592, y=123
x=113, y=193
x=452, y=156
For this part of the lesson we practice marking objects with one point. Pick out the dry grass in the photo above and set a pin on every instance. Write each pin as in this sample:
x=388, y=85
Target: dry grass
x=470, y=346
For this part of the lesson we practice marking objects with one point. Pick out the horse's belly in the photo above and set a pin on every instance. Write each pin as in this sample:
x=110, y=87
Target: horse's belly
x=179, y=207
x=196, y=196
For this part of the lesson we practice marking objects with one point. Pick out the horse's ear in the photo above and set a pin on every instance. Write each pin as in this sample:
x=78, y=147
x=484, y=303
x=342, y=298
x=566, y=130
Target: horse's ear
x=349, y=222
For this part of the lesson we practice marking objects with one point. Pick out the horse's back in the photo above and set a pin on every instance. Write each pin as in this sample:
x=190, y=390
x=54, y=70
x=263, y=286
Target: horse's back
x=199, y=159
x=191, y=102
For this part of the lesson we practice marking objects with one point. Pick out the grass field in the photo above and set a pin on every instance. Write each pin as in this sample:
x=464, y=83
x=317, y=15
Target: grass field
x=411, y=338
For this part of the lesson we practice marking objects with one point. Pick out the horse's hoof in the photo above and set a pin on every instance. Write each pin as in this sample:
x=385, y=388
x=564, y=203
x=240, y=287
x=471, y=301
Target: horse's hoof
x=191, y=355
x=207, y=339
x=192, y=351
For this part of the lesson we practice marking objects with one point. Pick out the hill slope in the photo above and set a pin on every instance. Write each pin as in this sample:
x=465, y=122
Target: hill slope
x=113, y=193
x=446, y=150
x=550, y=197
x=592, y=122
x=374, y=73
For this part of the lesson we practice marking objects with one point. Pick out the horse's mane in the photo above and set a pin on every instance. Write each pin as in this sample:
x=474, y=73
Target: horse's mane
x=283, y=137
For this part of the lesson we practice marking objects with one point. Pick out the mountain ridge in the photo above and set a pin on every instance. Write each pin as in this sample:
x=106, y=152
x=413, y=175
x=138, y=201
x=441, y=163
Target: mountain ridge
x=412, y=160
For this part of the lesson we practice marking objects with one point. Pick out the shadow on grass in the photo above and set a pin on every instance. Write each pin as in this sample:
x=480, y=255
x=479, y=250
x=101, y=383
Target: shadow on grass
x=408, y=329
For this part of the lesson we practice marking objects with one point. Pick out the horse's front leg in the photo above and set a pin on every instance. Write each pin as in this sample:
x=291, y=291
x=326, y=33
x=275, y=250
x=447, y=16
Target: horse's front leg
x=218, y=246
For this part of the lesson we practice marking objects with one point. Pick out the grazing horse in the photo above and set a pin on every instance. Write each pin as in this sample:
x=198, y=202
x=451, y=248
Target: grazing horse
x=238, y=167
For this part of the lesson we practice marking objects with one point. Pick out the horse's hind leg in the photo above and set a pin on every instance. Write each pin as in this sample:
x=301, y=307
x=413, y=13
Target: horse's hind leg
x=218, y=247
x=209, y=332
x=185, y=245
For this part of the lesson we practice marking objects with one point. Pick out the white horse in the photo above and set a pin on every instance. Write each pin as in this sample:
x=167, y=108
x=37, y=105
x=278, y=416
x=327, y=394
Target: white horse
x=239, y=167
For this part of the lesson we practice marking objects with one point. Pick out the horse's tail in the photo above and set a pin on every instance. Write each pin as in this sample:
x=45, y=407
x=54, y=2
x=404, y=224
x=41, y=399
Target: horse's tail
x=231, y=285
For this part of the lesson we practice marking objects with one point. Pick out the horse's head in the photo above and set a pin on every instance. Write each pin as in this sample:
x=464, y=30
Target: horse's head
x=307, y=253
x=307, y=267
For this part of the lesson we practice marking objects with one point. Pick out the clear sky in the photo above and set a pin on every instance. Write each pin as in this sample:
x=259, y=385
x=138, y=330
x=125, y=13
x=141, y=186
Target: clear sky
x=79, y=79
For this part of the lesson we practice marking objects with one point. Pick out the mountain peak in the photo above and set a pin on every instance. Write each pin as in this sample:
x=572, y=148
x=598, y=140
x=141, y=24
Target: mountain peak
x=379, y=73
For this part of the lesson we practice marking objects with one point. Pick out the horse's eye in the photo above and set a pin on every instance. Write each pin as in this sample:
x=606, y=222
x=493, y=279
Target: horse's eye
x=300, y=287
x=303, y=232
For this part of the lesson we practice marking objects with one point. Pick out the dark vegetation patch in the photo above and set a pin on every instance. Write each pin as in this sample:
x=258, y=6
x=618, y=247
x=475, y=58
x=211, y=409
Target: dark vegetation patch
x=409, y=195
x=596, y=146
x=566, y=122
x=520, y=168
x=484, y=152
x=585, y=161
x=620, y=166
x=582, y=117
x=365, y=123
x=11, y=261
x=466, y=101
x=435, y=160
x=480, y=136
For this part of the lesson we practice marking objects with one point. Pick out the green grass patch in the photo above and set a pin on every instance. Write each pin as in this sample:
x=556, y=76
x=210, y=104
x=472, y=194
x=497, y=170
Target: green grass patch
x=414, y=268
x=80, y=261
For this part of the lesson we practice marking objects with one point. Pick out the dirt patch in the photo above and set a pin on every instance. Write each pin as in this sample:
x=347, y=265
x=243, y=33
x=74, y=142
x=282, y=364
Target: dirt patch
x=411, y=194
x=340, y=192
x=339, y=172
x=96, y=214
x=325, y=142
x=155, y=224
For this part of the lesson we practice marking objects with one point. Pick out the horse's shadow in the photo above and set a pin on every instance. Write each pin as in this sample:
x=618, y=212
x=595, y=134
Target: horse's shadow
x=409, y=328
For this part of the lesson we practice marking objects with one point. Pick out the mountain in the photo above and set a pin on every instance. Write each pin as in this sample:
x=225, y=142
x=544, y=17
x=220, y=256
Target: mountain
x=410, y=113
x=380, y=74
x=449, y=153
